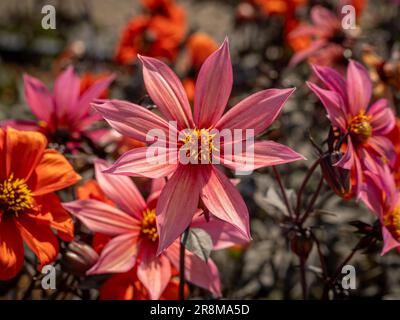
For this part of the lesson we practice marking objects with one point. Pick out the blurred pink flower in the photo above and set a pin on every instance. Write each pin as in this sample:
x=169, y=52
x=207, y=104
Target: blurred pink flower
x=189, y=183
x=327, y=38
x=363, y=126
x=135, y=239
x=64, y=116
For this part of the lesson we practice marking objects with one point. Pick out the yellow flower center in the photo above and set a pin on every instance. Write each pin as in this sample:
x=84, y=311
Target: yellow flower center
x=360, y=127
x=199, y=145
x=149, y=227
x=392, y=222
x=15, y=195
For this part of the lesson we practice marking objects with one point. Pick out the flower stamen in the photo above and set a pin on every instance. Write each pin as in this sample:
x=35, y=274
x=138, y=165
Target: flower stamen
x=149, y=227
x=360, y=127
x=15, y=196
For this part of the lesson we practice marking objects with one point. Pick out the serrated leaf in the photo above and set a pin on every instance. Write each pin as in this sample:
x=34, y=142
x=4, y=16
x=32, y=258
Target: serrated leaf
x=199, y=242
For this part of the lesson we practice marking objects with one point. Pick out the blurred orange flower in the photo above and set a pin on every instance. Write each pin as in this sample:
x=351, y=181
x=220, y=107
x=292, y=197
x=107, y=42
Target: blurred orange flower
x=199, y=46
x=281, y=7
x=157, y=34
x=29, y=208
x=88, y=79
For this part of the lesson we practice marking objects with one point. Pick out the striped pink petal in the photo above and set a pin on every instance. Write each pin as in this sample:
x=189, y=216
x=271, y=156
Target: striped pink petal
x=120, y=189
x=167, y=92
x=100, y=217
x=39, y=98
x=119, y=255
x=177, y=203
x=213, y=87
x=140, y=162
x=224, y=201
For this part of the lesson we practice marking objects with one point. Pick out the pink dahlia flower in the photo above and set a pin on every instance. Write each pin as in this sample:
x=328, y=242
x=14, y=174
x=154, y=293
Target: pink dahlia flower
x=63, y=116
x=134, y=243
x=189, y=183
x=361, y=125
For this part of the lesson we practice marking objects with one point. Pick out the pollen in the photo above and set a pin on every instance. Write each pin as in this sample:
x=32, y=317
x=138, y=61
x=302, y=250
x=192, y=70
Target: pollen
x=360, y=127
x=15, y=195
x=392, y=222
x=199, y=145
x=149, y=227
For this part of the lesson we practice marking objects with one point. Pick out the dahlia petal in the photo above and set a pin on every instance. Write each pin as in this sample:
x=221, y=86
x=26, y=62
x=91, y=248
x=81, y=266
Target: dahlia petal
x=213, y=87
x=23, y=145
x=11, y=249
x=82, y=107
x=120, y=189
x=324, y=18
x=347, y=160
x=39, y=238
x=103, y=218
x=138, y=162
x=262, y=154
x=201, y=273
x=359, y=87
x=333, y=80
x=383, y=119
x=23, y=125
x=256, y=112
x=224, y=201
x=66, y=92
x=176, y=205
x=167, y=92
x=155, y=274
x=389, y=242
x=314, y=47
x=133, y=120
x=223, y=234
x=333, y=104
x=119, y=255
x=58, y=218
x=39, y=98
x=52, y=173
x=384, y=147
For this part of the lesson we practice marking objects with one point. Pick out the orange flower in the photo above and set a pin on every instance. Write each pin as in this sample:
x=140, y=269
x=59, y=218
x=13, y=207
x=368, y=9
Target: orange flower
x=200, y=46
x=157, y=35
x=126, y=286
x=88, y=79
x=29, y=208
x=281, y=7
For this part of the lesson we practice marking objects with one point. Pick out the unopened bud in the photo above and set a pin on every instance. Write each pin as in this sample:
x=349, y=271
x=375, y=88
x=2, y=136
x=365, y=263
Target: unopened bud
x=79, y=258
x=301, y=243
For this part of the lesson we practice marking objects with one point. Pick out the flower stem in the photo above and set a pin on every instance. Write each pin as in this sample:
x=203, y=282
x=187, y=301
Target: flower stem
x=303, y=277
x=283, y=191
x=304, y=183
x=312, y=202
x=182, y=264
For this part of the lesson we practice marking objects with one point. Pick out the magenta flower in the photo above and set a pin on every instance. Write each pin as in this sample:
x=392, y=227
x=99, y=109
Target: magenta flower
x=189, y=183
x=383, y=198
x=135, y=239
x=363, y=126
x=64, y=116
x=327, y=37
